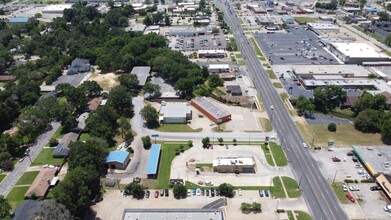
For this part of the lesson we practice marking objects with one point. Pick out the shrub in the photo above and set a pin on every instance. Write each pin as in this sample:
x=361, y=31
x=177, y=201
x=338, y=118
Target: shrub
x=368, y=181
x=355, y=181
x=332, y=127
x=53, y=142
x=348, y=181
x=280, y=210
x=234, y=141
x=190, y=143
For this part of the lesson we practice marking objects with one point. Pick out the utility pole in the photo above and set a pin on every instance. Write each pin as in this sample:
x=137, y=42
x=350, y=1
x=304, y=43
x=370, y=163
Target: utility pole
x=334, y=177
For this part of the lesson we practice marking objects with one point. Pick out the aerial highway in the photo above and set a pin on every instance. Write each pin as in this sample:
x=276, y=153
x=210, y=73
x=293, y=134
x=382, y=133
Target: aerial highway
x=318, y=194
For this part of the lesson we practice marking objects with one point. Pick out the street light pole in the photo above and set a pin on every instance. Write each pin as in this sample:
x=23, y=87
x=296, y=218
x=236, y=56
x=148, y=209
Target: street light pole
x=334, y=177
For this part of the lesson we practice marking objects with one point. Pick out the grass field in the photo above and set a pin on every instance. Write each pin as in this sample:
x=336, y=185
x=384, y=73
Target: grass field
x=2, y=176
x=271, y=74
x=27, y=178
x=58, y=134
x=346, y=135
x=167, y=155
x=268, y=155
x=343, y=113
x=238, y=55
x=266, y=125
x=199, y=165
x=177, y=128
x=300, y=215
x=45, y=157
x=84, y=137
x=290, y=215
x=277, y=189
x=16, y=196
x=257, y=50
x=291, y=187
x=303, y=20
x=341, y=195
x=278, y=154
x=278, y=85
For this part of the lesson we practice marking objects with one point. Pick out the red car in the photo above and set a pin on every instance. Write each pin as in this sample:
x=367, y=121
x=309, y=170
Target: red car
x=156, y=194
x=336, y=159
x=350, y=197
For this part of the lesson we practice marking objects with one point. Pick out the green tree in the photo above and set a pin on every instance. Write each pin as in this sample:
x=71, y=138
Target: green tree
x=226, y=189
x=369, y=101
x=190, y=143
x=234, y=141
x=304, y=105
x=135, y=189
x=221, y=140
x=102, y=123
x=125, y=128
x=205, y=141
x=179, y=191
x=146, y=141
x=5, y=208
x=388, y=38
x=86, y=154
x=332, y=127
x=214, y=81
x=386, y=131
x=167, y=20
x=130, y=81
x=150, y=115
x=383, y=16
x=52, y=210
x=328, y=98
x=245, y=207
x=151, y=88
x=256, y=207
x=91, y=88
x=369, y=120
x=148, y=20
x=121, y=100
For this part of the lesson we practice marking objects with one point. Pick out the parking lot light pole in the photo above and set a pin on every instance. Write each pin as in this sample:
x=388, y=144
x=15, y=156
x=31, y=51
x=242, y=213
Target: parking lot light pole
x=334, y=177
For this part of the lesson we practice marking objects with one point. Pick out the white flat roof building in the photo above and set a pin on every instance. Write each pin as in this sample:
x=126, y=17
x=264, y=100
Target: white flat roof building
x=356, y=53
x=323, y=26
x=56, y=9
x=175, y=112
x=219, y=68
x=234, y=164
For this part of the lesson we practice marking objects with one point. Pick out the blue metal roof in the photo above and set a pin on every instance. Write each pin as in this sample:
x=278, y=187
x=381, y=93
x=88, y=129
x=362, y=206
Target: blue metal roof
x=61, y=150
x=18, y=20
x=117, y=156
x=153, y=159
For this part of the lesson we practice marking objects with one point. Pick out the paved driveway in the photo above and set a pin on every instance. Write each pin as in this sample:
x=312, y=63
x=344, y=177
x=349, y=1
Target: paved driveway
x=11, y=179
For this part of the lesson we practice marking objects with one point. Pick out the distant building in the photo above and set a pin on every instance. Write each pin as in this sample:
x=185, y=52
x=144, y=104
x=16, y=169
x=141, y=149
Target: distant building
x=153, y=161
x=138, y=27
x=56, y=9
x=288, y=19
x=94, y=103
x=219, y=68
x=27, y=209
x=176, y=213
x=211, y=109
x=211, y=54
x=40, y=186
x=117, y=160
x=175, y=113
x=356, y=53
x=186, y=31
x=235, y=90
x=79, y=66
x=323, y=27
x=18, y=20
x=265, y=20
x=7, y=78
x=234, y=165
x=62, y=148
x=142, y=73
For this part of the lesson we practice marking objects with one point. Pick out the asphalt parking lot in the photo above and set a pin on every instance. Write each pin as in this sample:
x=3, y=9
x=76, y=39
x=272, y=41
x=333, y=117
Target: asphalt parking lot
x=202, y=42
x=299, y=46
x=74, y=80
x=321, y=119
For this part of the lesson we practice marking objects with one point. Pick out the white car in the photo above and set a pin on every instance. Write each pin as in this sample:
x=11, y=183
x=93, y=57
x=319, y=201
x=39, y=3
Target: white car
x=354, y=188
x=239, y=192
x=305, y=145
x=119, y=147
x=189, y=192
x=387, y=208
x=21, y=159
x=345, y=189
x=198, y=193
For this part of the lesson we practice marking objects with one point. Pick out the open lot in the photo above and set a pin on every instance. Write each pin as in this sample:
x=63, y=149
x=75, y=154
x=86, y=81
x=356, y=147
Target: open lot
x=45, y=157
x=106, y=81
x=299, y=46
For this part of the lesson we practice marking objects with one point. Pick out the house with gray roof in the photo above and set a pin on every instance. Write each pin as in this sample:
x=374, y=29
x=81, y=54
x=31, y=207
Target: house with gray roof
x=142, y=73
x=79, y=66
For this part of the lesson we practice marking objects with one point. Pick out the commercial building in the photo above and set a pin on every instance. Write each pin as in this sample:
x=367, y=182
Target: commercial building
x=56, y=9
x=78, y=66
x=345, y=71
x=18, y=20
x=211, y=109
x=323, y=26
x=40, y=186
x=153, y=29
x=117, y=160
x=384, y=181
x=264, y=20
x=142, y=73
x=211, y=54
x=186, y=31
x=256, y=9
x=175, y=113
x=153, y=162
x=219, y=68
x=138, y=28
x=177, y=214
x=287, y=19
x=62, y=148
x=234, y=165
x=356, y=53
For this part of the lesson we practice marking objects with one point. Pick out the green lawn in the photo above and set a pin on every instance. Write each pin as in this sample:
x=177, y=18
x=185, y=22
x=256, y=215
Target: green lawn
x=63, y=100
x=303, y=20
x=278, y=154
x=266, y=125
x=291, y=187
x=45, y=157
x=300, y=215
x=177, y=128
x=343, y=113
x=346, y=135
x=268, y=155
x=238, y=55
x=166, y=156
x=2, y=176
x=27, y=178
x=58, y=134
x=271, y=74
x=257, y=50
x=278, y=85
x=199, y=165
x=84, y=137
x=290, y=215
x=341, y=195
x=16, y=196
x=277, y=190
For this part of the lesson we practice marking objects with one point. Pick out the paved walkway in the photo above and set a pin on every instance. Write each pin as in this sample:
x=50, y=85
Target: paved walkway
x=12, y=177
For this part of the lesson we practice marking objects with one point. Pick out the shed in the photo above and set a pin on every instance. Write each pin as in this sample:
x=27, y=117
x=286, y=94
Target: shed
x=117, y=160
x=153, y=162
x=142, y=73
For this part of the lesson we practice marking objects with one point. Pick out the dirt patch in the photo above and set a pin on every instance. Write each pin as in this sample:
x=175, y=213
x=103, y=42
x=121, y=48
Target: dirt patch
x=106, y=81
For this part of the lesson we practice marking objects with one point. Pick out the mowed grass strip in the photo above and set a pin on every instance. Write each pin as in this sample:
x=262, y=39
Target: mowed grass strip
x=27, y=178
x=177, y=128
x=341, y=195
x=45, y=157
x=300, y=215
x=291, y=187
x=268, y=155
x=2, y=176
x=16, y=196
x=277, y=189
x=278, y=154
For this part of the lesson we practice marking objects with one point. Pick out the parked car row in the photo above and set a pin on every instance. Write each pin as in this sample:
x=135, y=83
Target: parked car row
x=203, y=192
x=162, y=193
x=264, y=192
